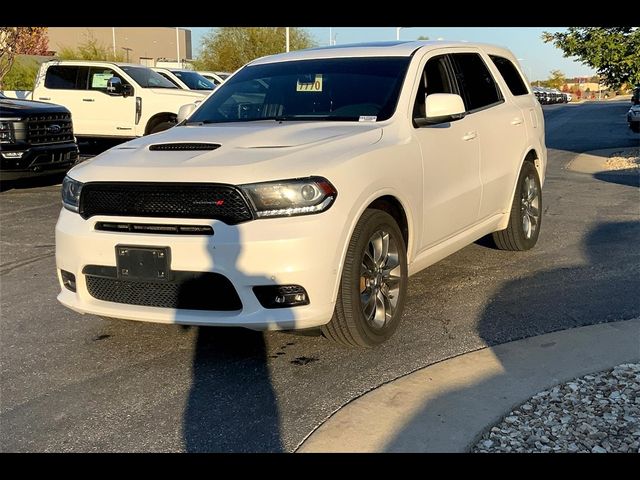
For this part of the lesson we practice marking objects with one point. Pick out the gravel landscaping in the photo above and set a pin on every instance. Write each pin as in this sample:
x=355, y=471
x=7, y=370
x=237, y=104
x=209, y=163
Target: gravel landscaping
x=597, y=413
x=624, y=159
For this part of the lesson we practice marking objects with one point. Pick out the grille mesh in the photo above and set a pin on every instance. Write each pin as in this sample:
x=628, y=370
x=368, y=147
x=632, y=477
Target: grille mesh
x=204, y=291
x=49, y=128
x=168, y=200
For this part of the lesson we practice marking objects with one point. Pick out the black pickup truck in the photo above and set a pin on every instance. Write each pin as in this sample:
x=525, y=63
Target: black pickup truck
x=36, y=138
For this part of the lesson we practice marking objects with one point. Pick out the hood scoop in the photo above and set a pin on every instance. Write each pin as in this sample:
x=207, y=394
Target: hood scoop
x=175, y=147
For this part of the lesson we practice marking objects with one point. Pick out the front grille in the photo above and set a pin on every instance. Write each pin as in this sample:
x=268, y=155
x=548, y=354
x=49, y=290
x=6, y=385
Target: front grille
x=188, y=290
x=183, y=146
x=49, y=128
x=167, y=200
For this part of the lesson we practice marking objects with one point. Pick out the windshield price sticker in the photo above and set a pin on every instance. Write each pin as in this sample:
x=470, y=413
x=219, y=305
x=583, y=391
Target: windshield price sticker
x=315, y=86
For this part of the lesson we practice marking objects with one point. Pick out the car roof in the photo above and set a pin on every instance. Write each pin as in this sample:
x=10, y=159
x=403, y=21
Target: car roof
x=379, y=49
x=97, y=63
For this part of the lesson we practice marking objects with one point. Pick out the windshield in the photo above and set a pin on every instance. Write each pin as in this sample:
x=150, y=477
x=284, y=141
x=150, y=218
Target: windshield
x=193, y=80
x=147, y=78
x=348, y=89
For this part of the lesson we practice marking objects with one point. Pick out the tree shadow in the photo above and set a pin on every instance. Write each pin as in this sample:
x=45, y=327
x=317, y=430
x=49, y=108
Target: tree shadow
x=602, y=289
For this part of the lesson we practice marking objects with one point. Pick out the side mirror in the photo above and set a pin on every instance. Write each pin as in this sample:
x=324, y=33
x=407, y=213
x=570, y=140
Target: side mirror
x=127, y=90
x=185, y=111
x=114, y=86
x=441, y=108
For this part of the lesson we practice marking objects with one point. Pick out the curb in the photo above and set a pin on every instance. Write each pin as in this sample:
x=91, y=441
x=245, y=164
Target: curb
x=447, y=406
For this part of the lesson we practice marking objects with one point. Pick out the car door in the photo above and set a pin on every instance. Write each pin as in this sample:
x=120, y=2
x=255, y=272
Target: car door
x=107, y=114
x=501, y=130
x=65, y=85
x=451, y=160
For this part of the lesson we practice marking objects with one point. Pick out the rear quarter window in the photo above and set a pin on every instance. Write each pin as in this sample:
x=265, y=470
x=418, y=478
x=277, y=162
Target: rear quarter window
x=66, y=78
x=510, y=74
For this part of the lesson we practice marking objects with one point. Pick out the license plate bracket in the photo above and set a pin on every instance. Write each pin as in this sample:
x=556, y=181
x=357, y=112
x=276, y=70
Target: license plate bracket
x=150, y=264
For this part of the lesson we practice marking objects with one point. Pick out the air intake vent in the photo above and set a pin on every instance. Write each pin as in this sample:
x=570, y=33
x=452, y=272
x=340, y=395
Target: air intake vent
x=183, y=146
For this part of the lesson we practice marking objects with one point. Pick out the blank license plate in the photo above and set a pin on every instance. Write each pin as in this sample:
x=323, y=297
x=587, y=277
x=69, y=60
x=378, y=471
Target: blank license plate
x=143, y=263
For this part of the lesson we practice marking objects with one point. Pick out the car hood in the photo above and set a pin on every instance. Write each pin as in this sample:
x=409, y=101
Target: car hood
x=244, y=153
x=179, y=92
x=11, y=107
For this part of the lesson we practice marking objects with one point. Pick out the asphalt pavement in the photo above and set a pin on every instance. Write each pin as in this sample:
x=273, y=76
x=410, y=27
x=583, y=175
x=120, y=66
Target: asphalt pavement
x=81, y=383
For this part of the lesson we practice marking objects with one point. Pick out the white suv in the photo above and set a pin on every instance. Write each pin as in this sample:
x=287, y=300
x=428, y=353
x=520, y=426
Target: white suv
x=112, y=99
x=306, y=189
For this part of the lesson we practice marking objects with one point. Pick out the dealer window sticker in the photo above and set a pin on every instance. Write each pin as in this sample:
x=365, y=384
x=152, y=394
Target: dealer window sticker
x=314, y=86
x=99, y=80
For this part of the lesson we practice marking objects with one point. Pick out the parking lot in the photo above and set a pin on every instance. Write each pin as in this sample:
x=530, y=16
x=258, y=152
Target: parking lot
x=82, y=383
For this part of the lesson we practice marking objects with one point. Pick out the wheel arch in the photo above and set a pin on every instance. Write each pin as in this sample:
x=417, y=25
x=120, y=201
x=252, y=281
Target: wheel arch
x=391, y=202
x=159, y=118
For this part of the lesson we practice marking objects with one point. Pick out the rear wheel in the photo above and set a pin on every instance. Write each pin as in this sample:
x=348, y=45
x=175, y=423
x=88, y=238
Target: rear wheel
x=373, y=283
x=526, y=213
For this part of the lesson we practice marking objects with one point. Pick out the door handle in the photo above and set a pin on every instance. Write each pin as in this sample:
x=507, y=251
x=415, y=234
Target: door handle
x=470, y=136
x=44, y=98
x=88, y=100
x=516, y=121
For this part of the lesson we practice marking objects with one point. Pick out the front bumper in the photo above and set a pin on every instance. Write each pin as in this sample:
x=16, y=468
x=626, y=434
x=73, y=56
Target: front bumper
x=38, y=160
x=298, y=250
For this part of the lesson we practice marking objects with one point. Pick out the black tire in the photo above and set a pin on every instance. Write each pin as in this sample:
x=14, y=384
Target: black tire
x=160, y=127
x=515, y=237
x=349, y=326
x=635, y=127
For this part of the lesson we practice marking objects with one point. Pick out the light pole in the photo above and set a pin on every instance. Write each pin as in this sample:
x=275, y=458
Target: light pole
x=330, y=36
x=286, y=30
x=113, y=37
x=177, y=44
x=398, y=32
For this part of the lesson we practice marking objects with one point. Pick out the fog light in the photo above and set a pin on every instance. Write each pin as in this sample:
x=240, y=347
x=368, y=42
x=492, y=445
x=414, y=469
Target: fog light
x=281, y=296
x=68, y=280
x=12, y=154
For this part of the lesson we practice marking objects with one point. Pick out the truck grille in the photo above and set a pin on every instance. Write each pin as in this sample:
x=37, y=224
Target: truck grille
x=189, y=290
x=49, y=128
x=167, y=200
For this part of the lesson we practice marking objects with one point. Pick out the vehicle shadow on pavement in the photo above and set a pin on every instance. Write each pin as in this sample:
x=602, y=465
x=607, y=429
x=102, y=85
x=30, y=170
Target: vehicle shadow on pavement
x=629, y=177
x=603, y=288
x=232, y=405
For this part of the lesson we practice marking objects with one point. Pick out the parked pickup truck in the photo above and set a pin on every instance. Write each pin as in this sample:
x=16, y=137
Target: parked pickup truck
x=110, y=99
x=36, y=138
x=306, y=189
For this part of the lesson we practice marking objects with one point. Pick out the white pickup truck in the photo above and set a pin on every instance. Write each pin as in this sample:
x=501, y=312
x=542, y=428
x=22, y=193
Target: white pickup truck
x=109, y=99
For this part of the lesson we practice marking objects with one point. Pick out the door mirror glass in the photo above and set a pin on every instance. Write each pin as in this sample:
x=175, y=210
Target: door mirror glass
x=115, y=86
x=127, y=90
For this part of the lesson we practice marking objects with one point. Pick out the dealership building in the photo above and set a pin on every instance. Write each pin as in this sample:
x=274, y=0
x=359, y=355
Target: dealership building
x=143, y=45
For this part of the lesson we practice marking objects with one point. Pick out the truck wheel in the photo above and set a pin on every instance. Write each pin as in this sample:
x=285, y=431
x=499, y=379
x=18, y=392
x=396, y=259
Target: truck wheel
x=373, y=285
x=526, y=213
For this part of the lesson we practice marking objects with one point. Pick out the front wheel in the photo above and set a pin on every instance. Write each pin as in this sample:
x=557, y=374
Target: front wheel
x=373, y=285
x=526, y=213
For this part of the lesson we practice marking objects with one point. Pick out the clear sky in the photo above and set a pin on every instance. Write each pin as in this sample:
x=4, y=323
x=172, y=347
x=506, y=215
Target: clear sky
x=536, y=57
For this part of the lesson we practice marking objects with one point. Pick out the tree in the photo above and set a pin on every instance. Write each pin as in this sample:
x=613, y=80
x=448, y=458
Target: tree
x=423, y=37
x=556, y=80
x=228, y=48
x=91, y=49
x=22, y=75
x=614, y=52
x=20, y=41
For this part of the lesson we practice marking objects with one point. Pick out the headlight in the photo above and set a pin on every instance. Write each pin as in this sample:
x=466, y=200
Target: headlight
x=284, y=198
x=71, y=194
x=6, y=132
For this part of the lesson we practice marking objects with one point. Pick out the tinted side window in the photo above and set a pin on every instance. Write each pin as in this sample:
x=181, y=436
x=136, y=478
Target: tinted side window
x=435, y=79
x=510, y=74
x=66, y=78
x=478, y=87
